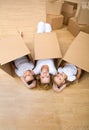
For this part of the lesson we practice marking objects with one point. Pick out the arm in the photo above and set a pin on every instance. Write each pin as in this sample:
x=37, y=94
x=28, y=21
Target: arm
x=29, y=86
x=78, y=73
x=55, y=87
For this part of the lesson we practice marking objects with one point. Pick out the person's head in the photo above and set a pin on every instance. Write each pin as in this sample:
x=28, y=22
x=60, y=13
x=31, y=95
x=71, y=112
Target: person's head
x=59, y=82
x=44, y=75
x=29, y=78
x=60, y=79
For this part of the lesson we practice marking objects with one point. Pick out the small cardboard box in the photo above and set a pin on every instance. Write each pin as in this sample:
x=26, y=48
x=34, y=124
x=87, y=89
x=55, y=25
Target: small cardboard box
x=46, y=46
x=68, y=10
x=78, y=52
x=11, y=48
x=75, y=28
x=53, y=8
x=56, y=21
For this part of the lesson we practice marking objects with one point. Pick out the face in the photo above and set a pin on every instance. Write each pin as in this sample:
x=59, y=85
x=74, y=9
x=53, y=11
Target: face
x=59, y=79
x=44, y=75
x=28, y=76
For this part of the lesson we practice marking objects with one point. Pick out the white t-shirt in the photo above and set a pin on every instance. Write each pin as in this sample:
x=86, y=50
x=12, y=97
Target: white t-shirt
x=70, y=70
x=49, y=62
x=22, y=64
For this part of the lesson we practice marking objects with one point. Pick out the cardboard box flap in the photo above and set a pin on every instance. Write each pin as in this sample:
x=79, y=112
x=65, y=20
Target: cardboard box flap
x=8, y=69
x=78, y=52
x=11, y=48
x=46, y=46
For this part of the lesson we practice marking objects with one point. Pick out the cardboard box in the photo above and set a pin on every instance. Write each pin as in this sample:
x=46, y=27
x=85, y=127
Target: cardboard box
x=46, y=46
x=83, y=16
x=78, y=52
x=56, y=21
x=68, y=10
x=75, y=28
x=11, y=48
x=53, y=8
x=67, y=16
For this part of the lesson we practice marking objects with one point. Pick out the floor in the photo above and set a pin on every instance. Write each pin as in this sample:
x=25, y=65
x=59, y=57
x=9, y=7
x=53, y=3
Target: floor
x=24, y=109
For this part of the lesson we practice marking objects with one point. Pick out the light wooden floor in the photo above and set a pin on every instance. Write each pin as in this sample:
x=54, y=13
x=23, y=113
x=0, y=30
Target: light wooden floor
x=24, y=109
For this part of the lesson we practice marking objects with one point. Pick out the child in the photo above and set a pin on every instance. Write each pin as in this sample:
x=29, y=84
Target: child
x=66, y=74
x=45, y=67
x=23, y=68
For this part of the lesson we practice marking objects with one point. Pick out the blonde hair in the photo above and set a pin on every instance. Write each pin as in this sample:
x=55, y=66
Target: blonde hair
x=44, y=86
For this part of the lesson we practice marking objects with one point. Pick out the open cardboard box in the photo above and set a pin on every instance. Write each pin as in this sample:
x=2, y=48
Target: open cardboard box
x=78, y=52
x=46, y=46
x=11, y=48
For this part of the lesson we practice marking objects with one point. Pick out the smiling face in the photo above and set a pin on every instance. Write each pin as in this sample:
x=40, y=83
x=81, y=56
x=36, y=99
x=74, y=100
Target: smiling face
x=44, y=75
x=60, y=79
x=28, y=76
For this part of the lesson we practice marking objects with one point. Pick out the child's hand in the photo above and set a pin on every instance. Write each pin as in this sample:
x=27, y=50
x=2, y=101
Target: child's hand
x=55, y=88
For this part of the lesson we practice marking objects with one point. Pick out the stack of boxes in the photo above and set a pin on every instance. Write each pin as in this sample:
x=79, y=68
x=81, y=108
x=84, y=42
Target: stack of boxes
x=53, y=13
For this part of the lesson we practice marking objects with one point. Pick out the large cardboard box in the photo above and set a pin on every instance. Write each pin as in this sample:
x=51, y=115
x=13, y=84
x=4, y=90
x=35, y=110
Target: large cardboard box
x=56, y=21
x=75, y=28
x=53, y=8
x=46, y=46
x=11, y=48
x=68, y=10
x=78, y=52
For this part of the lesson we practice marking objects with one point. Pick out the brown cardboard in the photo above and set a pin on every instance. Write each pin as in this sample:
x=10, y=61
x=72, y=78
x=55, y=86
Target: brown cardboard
x=83, y=17
x=68, y=10
x=53, y=7
x=78, y=52
x=67, y=16
x=75, y=28
x=56, y=21
x=8, y=69
x=67, y=7
x=52, y=0
x=46, y=46
x=11, y=48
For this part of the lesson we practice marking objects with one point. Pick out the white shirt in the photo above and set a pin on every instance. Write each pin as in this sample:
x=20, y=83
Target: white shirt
x=49, y=62
x=22, y=64
x=70, y=70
